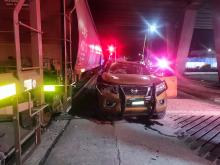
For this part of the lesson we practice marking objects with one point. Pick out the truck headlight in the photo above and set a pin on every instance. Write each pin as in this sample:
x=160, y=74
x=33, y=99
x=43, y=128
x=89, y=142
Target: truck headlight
x=160, y=88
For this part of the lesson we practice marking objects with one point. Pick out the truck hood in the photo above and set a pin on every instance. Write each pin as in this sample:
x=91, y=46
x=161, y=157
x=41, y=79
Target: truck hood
x=130, y=79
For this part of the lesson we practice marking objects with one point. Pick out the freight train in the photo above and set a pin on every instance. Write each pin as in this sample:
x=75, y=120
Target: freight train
x=45, y=46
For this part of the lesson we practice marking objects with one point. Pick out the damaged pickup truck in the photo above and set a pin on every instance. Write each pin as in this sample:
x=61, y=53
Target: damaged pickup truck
x=128, y=88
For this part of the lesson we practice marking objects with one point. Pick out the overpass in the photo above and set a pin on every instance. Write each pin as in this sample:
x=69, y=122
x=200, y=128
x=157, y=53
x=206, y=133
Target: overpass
x=126, y=21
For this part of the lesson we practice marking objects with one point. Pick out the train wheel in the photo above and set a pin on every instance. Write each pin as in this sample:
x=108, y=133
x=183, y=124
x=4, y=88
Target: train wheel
x=46, y=116
x=27, y=122
x=57, y=105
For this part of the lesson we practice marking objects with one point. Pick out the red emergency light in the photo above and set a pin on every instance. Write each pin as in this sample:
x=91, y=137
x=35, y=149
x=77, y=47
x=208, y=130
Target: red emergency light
x=111, y=48
x=163, y=63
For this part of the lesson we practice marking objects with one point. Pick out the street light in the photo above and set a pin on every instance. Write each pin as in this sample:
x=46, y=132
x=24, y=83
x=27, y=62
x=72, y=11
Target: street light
x=150, y=29
x=209, y=50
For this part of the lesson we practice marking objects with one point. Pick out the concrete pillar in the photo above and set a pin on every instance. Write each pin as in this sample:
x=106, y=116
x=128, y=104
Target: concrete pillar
x=170, y=40
x=185, y=39
x=216, y=23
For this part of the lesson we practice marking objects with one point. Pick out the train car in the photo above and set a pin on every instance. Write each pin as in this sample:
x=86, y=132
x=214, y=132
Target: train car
x=43, y=51
x=89, y=51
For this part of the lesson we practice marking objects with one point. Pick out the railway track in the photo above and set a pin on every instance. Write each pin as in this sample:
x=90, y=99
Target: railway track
x=201, y=134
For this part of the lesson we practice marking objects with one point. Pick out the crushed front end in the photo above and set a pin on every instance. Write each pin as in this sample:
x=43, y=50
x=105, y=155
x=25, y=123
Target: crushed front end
x=132, y=99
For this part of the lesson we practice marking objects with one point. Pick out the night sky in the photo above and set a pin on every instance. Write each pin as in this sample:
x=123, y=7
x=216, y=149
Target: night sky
x=202, y=39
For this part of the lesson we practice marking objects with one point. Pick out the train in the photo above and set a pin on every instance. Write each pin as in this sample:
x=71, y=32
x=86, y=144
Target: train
x=45, y=47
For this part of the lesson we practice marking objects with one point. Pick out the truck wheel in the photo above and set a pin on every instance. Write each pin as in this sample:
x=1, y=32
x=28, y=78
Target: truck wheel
x=159, y=115
x=100, y=109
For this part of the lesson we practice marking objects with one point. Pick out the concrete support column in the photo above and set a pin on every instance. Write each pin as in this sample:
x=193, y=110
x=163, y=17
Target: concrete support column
x=170, y=40
x=216, y=23
x=185, y=39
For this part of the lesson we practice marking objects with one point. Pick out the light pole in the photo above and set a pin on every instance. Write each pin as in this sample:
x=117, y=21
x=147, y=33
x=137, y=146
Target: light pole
x=145, y=39
x=150, y=29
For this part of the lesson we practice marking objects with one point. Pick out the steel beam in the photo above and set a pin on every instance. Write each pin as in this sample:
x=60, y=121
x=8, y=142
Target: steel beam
x=37, y=61
x=70, y=46
x=36, y=38
x=17, y=36
x=17, y=131
x=37, y=56
x=185, y=39
x=65, y=49
x=216, y=23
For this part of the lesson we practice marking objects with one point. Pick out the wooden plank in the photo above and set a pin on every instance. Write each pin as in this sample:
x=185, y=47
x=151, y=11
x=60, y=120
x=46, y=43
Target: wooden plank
x=204, y=136
x=199, y=128
x=190, y=122
x=201, y=125
x=179, y=118
x=214, y=154
x=206, y=128
x=210, y=145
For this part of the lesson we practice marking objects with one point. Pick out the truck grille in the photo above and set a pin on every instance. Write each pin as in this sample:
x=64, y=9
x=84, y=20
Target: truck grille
x=137, y=90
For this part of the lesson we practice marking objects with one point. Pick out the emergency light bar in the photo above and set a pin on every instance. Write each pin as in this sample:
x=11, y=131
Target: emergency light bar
x=7, y=91
x=163, y=63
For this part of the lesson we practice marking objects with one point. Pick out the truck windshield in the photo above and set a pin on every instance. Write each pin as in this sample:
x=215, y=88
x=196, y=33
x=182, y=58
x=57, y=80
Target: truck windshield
x=128, y=68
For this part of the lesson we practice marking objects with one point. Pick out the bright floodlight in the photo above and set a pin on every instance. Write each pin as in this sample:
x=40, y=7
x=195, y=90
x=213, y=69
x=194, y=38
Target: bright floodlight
x=152, y=28
x=163, y=63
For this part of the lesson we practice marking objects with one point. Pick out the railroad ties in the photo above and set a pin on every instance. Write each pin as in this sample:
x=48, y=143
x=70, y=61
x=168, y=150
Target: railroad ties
x=201, y=134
